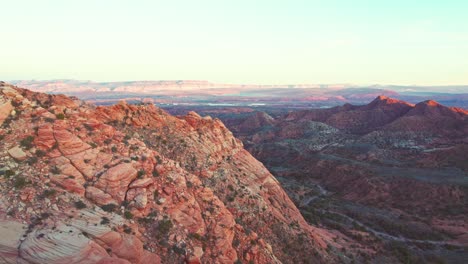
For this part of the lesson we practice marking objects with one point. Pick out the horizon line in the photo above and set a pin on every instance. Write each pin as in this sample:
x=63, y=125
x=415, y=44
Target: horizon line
x=348, y=84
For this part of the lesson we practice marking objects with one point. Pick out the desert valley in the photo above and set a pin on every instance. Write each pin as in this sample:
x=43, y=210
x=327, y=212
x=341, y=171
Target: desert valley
x=234, y=132
x=142, y=181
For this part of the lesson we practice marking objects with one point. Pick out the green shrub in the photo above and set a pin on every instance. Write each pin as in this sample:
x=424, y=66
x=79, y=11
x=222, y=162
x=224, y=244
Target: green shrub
x=20, y=182
x=128, y=230
x=55, y=170
x=164, y=226
x=178, y=250
x=158, y=159
x=80, y=205
x=141, y=173
x=155, y=173
x=60, y=116
x=128, y=215
x=88, y=127
x=134, y=147
x=104, y=220
x=27, y=142
x=9, y=173
x=49, y=193
x=45, y=215
x=55, y=146
x=40, y=153
x=32, y=160
x=109, y=207
x=196, y=236
x=235, y=242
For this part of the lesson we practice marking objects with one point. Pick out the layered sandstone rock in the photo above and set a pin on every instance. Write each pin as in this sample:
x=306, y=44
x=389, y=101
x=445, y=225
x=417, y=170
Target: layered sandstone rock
x=172, y=189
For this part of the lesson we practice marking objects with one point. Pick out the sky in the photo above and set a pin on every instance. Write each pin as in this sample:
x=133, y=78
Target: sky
x=242, y=41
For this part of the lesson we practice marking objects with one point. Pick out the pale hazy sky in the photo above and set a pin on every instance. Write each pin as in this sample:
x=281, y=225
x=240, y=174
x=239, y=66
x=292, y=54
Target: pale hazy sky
x=241, y=41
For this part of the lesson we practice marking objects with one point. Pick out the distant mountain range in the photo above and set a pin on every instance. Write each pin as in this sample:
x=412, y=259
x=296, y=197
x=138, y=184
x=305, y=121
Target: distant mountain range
x=200, y=92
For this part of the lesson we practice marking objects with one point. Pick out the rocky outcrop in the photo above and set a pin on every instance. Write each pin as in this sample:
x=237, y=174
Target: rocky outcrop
x=82, y=240
x=5, y=110
x=68, y=143
x=116, y=180
x=133, y=184
x=99, y=196
x=12, y=232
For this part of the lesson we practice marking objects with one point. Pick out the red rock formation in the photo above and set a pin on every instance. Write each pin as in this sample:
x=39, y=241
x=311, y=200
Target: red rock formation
x=115, y=180
x=171, y=189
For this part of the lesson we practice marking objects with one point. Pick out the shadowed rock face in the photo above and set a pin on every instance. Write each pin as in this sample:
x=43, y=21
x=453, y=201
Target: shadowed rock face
x=133, y=184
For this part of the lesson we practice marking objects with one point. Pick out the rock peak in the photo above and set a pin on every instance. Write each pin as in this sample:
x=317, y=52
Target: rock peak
x=193, y=114
x=382, y=98
x=431, y=103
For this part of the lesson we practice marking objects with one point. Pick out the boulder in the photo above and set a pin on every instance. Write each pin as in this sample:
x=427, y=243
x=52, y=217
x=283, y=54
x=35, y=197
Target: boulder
x=115, y=180
x=98, y=196
x=5, y=110
x=17, y=153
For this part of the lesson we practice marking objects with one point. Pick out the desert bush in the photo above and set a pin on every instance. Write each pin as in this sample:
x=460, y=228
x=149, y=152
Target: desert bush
x=104, y=220
x=27, y=142
x=128, y=215
x=20, y=182
x=88, y=127
x=9, y=173
x=164, y=226
x=32, y=160
x=40, y=153
x=109, y=207
x=49, y=193
x=79, y=205
x=155, y=173
x=55, y=170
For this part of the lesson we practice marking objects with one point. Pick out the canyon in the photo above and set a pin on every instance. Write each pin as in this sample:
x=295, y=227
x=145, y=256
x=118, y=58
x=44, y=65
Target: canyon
x=153, y=180
x=389, y=177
